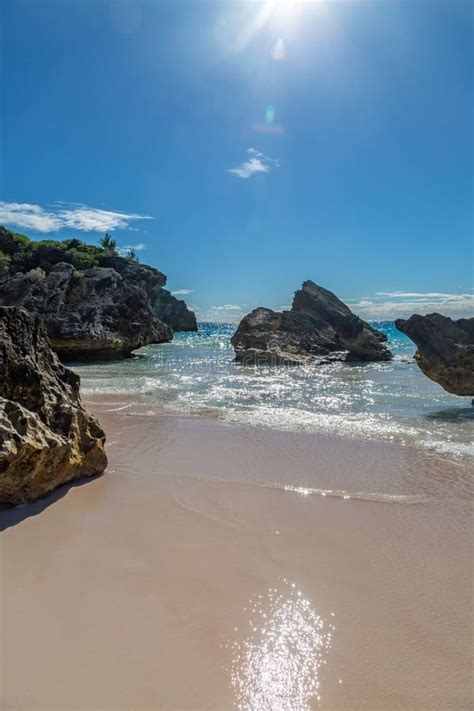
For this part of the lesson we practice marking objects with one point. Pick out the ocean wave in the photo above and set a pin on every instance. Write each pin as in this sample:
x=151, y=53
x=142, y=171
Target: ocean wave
x=196, y=374
x=307, y=491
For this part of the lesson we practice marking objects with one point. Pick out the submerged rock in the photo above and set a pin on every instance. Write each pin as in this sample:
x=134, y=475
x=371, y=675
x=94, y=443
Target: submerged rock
x=46, y=436
x=173, y=311
x=445, y=349
x=93, y=314
x=318, y=327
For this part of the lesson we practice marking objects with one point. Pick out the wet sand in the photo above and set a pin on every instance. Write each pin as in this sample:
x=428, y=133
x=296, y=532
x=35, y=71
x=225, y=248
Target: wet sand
x=133, y=591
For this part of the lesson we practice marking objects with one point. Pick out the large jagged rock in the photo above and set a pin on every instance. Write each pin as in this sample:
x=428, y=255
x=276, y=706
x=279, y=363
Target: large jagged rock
x=318, y=327
x=124, y=309
x=445, y=349
x=173, y=311
x=100, y=313
x=46, y=436
x=170, y=310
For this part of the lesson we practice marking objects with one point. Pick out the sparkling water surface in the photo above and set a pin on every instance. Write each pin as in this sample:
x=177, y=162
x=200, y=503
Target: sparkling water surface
x=196, y=373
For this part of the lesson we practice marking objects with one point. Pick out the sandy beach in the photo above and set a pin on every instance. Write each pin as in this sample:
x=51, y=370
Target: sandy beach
x=236, y=355
x=212, y=563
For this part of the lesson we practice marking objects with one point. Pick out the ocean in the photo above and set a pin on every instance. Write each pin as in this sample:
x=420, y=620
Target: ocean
x=196, y=374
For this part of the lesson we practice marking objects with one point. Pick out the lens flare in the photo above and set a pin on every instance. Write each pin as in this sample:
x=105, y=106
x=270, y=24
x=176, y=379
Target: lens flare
x=272, y=129
x=270, y=114
x=279, y=51
x=268, y=125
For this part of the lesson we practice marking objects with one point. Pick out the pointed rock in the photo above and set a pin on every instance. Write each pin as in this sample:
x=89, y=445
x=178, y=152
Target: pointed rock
x=319, y=327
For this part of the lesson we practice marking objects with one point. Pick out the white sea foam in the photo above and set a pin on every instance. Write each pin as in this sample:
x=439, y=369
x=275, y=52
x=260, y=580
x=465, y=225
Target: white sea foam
x=391, y=401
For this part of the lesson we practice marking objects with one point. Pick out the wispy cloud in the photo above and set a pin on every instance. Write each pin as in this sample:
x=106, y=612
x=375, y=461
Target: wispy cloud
x=30, y=217
x=227, y=307
x=402, y=304
x=137, y=247
x=127, y=248
x=416, y=294
x=60, y=216
x=256, y=163
x=180, y=292
x=225, y=313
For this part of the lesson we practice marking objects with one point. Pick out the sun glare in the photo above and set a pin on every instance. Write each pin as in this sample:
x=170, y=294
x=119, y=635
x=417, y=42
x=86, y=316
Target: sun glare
x=279, y=16
x=276, y=14
x=282, y=13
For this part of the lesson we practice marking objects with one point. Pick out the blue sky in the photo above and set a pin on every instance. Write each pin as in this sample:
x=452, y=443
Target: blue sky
x=248, y=146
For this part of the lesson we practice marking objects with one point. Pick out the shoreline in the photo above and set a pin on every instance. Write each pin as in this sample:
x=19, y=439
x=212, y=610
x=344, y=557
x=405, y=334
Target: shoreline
x=151, y=408
x=132, y=590
x=386, y=402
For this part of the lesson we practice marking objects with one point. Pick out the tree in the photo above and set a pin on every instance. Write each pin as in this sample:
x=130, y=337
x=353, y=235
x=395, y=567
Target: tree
x=108, y=244
x=132, y=255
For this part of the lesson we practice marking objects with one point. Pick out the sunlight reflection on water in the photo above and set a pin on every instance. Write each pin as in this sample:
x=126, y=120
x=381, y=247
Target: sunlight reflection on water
x=276, y=667
x=196, y=374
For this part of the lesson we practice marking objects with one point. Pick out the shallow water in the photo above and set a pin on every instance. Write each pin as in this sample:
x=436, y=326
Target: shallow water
x=389, y=401
x=212, y=569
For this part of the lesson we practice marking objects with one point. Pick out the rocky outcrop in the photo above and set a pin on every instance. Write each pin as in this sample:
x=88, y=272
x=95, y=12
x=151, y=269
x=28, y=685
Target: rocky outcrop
x=46, y=436
x=92, y=314
x=318, y=327
x=445, y=349
x=173, y=311
x=97, y=305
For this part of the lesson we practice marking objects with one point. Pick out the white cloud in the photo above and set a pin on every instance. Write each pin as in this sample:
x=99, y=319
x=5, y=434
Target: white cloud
x=402, y=304
x=137, y=247
x=127, y=248
x=60, y=216
x=417, y=294
x=224, y=313
x=372, y=308
x=256, y=163
x=180, y=292
x=30, y=217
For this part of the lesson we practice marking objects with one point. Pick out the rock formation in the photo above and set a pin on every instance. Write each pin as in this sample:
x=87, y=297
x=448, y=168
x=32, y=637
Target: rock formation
x=173, y=311
x=96, y=304
x=94, y=314
x=445, y=349
x=318, y=327
x=46, y=436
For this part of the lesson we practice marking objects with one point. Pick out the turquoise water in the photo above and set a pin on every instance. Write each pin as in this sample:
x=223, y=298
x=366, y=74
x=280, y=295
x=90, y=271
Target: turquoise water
x=195, y=373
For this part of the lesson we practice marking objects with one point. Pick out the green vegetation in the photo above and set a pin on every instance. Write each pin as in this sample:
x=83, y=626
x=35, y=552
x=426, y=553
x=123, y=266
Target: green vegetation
x=5, y=261
x=18, y=253
x=108, y=244
x=132, y=255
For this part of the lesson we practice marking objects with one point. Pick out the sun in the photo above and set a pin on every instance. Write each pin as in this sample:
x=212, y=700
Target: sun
x=283, y=14
x=281, y=8
x=279, y=17
x=278, y=14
